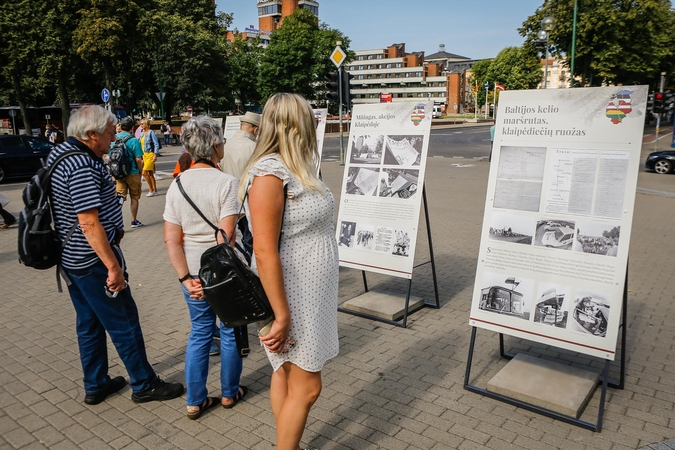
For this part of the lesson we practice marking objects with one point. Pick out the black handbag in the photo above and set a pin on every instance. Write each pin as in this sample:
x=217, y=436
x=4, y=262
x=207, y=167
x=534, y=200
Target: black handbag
x=231, y=288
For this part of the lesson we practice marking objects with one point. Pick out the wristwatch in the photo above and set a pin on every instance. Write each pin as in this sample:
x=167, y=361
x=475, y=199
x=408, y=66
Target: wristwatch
x=187, y=275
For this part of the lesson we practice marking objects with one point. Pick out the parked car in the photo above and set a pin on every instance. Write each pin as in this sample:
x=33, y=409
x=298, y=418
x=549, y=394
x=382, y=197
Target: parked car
x=661, y=162
x=22, y=156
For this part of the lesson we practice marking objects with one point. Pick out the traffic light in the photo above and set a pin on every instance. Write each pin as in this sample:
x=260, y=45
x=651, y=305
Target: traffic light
x=333, y=87
x=347, y=96
x=659, y=102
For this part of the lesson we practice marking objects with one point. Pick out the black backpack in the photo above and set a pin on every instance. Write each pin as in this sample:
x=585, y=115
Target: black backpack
x=119, y=159
x=40, y=246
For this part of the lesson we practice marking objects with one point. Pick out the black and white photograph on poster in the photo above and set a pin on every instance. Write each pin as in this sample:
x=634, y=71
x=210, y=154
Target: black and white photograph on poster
x=362, y=181
x=552, y=305
x=364, y=236
x=384, y=239
x=511, y=228
x=347, y=232
x=597, y=238
x=367, y=149
x=507, y=295
x=399, y=183
x=401, y=243
x=403, y=150
x=554, y=233
x=520, y=174
x=590, y=314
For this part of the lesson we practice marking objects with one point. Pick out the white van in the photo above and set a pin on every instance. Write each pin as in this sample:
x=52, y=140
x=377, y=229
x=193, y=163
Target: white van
x=437, y=112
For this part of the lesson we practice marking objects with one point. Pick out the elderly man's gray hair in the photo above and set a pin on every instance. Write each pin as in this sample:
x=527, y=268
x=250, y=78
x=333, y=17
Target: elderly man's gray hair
x=89, y=118
x=199, y=134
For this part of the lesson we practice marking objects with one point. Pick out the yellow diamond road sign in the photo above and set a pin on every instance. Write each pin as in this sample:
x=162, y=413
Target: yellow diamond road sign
x=338, y=56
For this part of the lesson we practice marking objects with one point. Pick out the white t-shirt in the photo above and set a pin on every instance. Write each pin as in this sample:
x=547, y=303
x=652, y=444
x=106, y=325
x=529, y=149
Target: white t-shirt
x=215, y=194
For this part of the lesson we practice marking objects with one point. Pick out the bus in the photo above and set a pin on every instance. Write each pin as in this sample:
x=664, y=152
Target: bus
x=502, y=300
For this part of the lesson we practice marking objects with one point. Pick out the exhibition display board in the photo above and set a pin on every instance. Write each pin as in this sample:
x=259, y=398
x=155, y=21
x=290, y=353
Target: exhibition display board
x=382, y=187
x=232, y=124
x=558, y=214
x=320, y=116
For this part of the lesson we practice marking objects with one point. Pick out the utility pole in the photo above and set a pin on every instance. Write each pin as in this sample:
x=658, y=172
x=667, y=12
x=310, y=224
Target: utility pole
x=658, y=115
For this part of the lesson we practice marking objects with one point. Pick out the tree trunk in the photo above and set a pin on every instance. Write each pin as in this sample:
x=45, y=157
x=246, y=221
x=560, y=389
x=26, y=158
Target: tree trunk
x=16, y=81
x=65, y=102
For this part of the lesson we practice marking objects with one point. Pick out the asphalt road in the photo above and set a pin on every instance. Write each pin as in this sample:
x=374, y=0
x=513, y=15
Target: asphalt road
x=463, y=142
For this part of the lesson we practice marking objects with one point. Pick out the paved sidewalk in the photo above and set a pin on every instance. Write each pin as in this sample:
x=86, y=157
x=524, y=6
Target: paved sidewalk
x=390, y=388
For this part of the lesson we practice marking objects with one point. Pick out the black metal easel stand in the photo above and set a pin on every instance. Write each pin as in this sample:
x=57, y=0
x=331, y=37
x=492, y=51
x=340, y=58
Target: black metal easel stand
x=604, y=380
x=404, y=320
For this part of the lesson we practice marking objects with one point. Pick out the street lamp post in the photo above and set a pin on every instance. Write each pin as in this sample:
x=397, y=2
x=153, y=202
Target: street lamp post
x=547, y=25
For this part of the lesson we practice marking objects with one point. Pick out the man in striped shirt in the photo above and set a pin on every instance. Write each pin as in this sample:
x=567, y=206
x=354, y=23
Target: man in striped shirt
x=84, y=194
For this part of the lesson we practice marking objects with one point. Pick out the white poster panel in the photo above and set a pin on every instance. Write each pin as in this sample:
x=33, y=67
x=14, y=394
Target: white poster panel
x=558, y=215
x=232, y=124
x=382, y=187
x=320, y=115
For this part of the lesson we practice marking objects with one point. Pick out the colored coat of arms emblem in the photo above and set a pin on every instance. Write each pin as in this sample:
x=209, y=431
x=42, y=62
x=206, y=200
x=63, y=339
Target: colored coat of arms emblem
x=619, y=106
x=418, y=114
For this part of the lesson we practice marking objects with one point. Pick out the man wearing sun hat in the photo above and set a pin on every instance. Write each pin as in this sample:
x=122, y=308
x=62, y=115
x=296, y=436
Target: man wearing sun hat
x=239, y=147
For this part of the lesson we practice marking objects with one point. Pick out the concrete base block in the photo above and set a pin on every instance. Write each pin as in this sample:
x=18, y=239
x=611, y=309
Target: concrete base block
x=547, y=384
x=383, y=304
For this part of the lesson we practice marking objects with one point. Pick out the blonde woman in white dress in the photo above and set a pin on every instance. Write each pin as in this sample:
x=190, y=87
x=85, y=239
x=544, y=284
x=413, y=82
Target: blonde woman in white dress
x=299, y=266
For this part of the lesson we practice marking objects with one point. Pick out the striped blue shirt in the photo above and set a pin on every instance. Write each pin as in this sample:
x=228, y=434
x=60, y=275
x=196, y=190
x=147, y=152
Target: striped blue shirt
x=81, y=183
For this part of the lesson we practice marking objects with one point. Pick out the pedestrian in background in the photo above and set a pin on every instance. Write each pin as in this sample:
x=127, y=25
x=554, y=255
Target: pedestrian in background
x=166, y=129
x=187, y=236
x=150, y=146
x=132, y=182
x=7, y=217
x=84, y=193
x=239, y=148
x=299, y=267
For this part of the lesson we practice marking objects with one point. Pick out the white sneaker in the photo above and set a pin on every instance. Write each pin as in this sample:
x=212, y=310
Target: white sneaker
x=150, y=194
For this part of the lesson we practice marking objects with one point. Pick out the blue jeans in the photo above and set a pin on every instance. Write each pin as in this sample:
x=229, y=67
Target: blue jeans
x=203, y=321
x=167, y=139
x=96, y=314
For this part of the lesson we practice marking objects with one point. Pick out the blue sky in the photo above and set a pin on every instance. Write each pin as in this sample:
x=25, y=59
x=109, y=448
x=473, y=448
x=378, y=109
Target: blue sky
x=472, y=28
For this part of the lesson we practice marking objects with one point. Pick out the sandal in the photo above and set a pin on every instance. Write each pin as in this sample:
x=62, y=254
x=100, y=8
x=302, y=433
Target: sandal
x=210, y=402
x=240, y=394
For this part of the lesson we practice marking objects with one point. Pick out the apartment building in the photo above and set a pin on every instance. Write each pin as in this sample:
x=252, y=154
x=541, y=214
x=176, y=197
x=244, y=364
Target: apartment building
x=409, y=77
x=271, y=15
x=558, y=75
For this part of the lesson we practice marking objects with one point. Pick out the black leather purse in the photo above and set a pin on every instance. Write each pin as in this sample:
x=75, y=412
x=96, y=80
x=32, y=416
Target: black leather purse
x=232, y=289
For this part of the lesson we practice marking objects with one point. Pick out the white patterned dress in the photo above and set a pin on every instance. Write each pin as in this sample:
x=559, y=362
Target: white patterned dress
x=309, y=259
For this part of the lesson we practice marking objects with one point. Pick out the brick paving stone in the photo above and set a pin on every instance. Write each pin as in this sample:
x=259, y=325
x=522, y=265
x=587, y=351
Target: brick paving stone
x=389, y=388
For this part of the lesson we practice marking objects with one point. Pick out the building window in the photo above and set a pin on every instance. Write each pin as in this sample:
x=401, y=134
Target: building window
x=399, y=65
x=388, y=66
x=360, y=58
x=418, y=74
x=407, y=74
x=369, y=67
x=370, y=56
x=359, y=77
x=399, y=95
x=271, y=9
x=379, y=56
x=360, y=67
x=314, y=9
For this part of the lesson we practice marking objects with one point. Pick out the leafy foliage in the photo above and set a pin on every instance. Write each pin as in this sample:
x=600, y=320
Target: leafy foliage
x=514, y=68
x=66, y=51
x=296, y=59
x=617, y=41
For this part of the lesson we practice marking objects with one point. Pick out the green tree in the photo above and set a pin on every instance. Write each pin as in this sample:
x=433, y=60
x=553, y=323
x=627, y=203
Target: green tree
x=18, y=54
x=617, y=41
x=244, y=57
x=297, y=58
x=514, y=68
